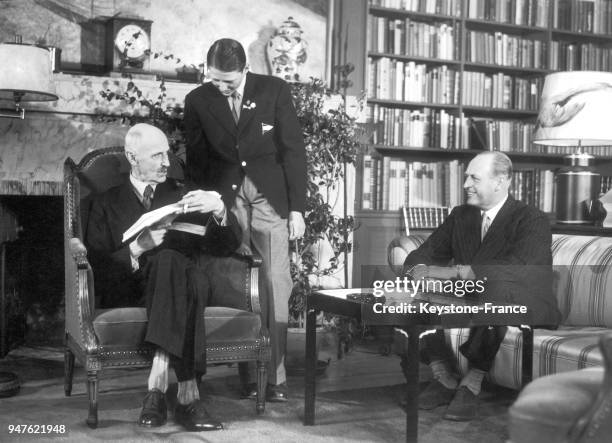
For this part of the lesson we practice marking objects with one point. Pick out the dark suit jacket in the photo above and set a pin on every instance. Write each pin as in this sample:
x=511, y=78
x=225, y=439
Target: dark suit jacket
x=115, y=210
x=220, y=153
x=514, y=257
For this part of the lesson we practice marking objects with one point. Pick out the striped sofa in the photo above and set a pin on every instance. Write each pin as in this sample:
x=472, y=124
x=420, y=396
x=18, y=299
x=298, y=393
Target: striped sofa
x=583, y=286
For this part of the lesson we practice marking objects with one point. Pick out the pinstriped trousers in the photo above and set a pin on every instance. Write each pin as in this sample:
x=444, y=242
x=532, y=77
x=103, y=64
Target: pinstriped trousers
x=266, y=233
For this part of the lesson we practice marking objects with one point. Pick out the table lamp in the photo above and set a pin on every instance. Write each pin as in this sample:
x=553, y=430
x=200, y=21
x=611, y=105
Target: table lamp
x=575, y=112
x=25, y=75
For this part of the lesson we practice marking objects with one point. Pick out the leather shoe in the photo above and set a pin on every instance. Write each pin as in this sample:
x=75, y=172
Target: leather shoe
x=463, y=407
x=154, y=410
x=195, y=417
x=434, y=395
x=277, y=393
x=249, y=391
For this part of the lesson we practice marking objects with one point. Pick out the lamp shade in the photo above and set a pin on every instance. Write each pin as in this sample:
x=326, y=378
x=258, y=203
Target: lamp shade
x=576, y=109
x=25, y=73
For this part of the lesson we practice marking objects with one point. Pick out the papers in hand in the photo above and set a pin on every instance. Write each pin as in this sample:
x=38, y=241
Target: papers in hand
x=151, y=218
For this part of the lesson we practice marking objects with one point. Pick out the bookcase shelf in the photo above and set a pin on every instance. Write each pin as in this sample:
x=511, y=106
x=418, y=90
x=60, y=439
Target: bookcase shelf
x=414, y=58
x=486, y=69
x=483, y=67
x=410, y=151
x=499, y=112
x=410, y=105
x=403, y=13
x=582, y=36
x=505, y=27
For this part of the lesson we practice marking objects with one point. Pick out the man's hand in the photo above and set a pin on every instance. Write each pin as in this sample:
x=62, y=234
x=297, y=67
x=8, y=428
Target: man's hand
x=147, y=240
x=296, y=225
x=204, y=202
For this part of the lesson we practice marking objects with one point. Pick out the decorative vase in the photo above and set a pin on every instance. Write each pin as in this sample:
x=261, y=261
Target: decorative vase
x=286, y=51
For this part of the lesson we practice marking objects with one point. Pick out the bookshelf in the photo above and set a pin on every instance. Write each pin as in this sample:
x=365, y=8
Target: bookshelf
x=446, y=79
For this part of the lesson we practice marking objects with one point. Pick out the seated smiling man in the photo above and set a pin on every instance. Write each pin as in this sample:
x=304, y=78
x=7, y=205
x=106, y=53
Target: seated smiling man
x=157, y=269
x=501, y=241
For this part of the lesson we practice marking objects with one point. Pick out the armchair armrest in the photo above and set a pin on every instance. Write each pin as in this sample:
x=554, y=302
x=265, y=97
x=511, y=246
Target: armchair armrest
x=80, y=296
x=78, y=251
x=400, y=247
x=254, y=262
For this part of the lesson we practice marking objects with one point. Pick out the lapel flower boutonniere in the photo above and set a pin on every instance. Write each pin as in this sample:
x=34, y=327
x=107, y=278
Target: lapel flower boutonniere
x=249, y=105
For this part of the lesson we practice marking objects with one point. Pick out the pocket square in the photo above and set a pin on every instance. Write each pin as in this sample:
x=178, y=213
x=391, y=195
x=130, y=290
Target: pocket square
x=266, y=128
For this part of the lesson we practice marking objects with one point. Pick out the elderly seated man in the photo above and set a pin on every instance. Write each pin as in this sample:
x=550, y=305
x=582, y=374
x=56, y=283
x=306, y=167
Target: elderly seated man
x=157, y=269
x=502, y=242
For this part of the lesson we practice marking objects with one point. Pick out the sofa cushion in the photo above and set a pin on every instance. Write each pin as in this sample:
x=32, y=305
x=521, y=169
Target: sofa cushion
x=548, y=407
x=127, y=326
x=583, y=278
x=565, y=349
x=582, y=267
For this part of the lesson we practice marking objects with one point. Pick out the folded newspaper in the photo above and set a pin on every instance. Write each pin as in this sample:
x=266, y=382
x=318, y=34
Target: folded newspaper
x=150, y=218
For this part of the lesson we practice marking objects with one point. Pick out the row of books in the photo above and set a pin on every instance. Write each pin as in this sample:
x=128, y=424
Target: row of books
x=408, y=81
x=444, y=7
x=500, y=91
x=516, y=12
x=423, y=218
x=569, y=57
x=501, y=135
x=426, y=128
x=409, y=37
x=390, y=184
x=598, y=151
x=503, y=49
x=535, y=187
x=593, y=16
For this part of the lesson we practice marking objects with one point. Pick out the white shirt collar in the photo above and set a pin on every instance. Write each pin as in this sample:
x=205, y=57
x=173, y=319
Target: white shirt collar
x=492, y=213
x=140, y=186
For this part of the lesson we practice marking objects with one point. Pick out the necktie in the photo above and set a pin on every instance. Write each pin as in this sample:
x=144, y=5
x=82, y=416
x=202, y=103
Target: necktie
x=486, y=223
x=147, y=197
x=236, y=101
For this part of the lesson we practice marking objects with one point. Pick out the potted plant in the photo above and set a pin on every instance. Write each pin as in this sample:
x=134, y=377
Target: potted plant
x=331, y=139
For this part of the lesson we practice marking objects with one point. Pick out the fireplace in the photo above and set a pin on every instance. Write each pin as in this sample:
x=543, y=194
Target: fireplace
x=32, y=155
x=33, y=274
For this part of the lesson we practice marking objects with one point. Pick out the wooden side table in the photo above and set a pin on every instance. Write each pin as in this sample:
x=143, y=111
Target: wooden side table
x=334, y=301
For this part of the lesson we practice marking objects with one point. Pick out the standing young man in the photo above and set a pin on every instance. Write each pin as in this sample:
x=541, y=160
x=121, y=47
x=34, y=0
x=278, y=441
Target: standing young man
x=245, y=142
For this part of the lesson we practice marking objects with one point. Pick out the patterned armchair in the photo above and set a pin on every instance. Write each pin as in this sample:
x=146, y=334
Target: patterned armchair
x=113, y=338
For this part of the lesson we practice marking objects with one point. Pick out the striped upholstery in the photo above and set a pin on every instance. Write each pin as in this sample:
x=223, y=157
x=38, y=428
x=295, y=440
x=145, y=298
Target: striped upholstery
x=583, y=279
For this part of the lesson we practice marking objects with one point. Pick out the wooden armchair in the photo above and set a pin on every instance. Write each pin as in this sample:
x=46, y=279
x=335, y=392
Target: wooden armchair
x=113, y=338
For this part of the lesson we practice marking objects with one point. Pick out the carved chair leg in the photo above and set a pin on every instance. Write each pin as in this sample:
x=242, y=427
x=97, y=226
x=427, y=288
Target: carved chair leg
x=92, y=392
x=260, y=405
x=68, y=371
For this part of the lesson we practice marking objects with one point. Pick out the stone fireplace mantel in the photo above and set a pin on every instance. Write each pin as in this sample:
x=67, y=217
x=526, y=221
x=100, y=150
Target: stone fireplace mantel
x=33, y=150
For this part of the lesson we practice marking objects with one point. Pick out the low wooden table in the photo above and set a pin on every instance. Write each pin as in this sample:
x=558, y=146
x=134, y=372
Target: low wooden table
x=423, y=313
